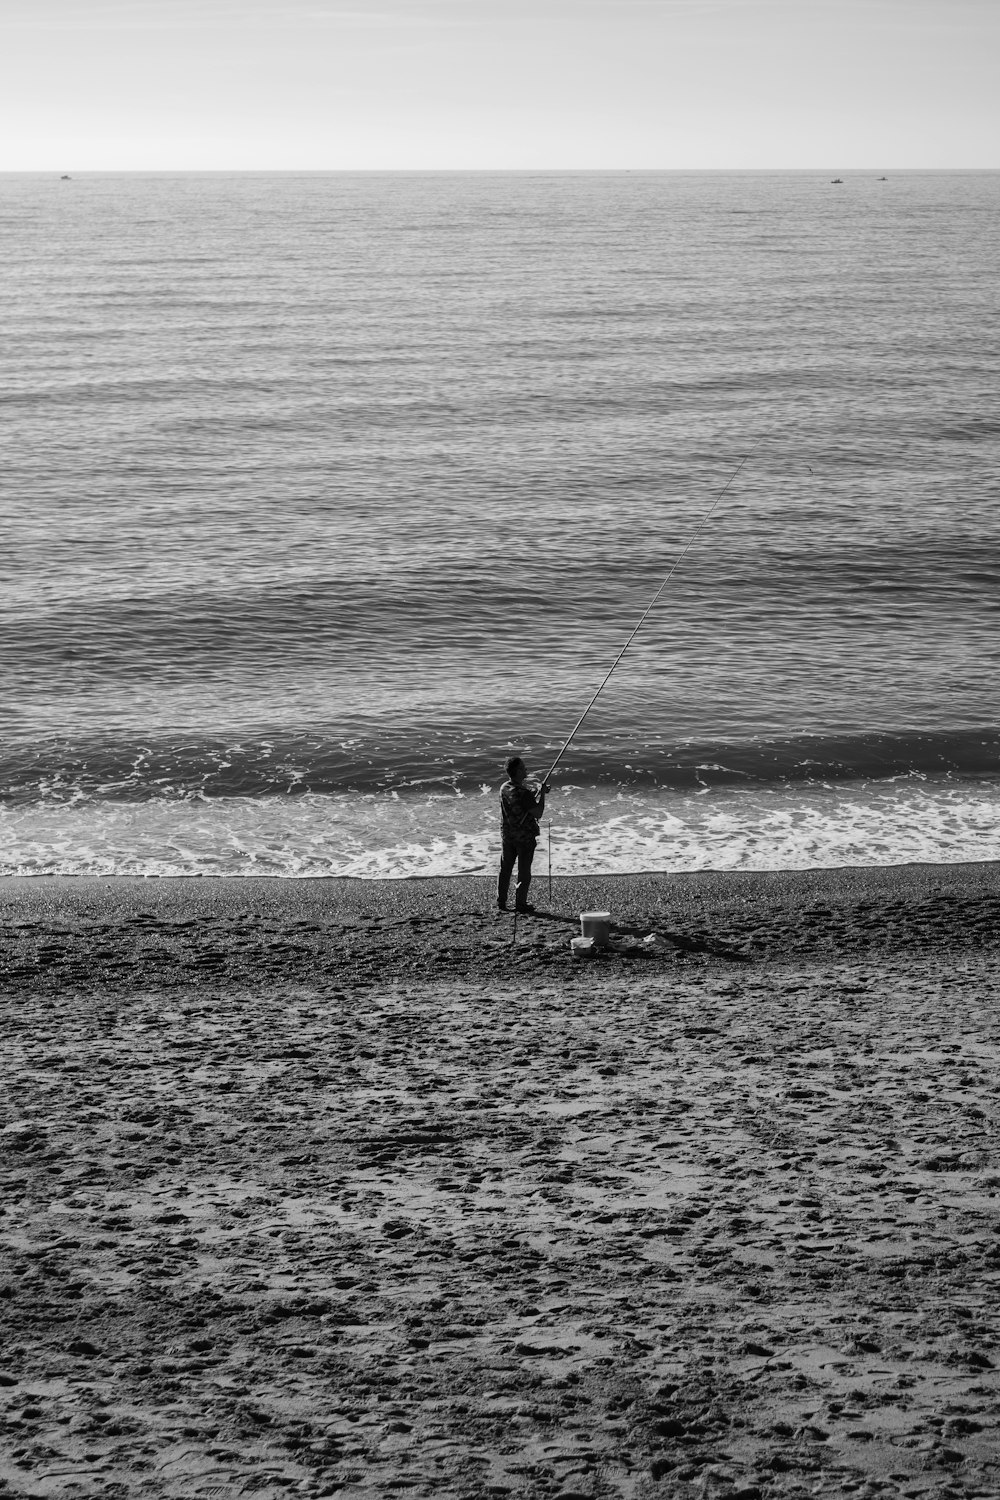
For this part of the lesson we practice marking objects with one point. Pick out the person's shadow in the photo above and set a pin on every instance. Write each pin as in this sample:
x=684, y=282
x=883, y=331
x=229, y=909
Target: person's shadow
x=680, y=940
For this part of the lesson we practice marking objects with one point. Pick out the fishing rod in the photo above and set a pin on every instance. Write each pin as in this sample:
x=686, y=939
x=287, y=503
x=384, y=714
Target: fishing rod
x=649, y=607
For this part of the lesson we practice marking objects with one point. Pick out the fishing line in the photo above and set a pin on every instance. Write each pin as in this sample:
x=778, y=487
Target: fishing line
x=649, y=607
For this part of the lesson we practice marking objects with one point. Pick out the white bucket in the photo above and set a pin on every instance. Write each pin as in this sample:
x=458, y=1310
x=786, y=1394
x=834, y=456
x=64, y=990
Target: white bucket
x=583, y=947
x=596, y=925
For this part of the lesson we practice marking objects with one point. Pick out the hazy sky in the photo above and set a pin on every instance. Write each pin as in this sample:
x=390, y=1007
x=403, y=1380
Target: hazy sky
x=498, y=83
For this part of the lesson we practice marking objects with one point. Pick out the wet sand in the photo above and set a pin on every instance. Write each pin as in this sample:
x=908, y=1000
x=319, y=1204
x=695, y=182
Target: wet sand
x=330, y=1187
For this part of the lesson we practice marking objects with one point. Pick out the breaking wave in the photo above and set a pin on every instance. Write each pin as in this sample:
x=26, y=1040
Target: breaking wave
x=288, y=764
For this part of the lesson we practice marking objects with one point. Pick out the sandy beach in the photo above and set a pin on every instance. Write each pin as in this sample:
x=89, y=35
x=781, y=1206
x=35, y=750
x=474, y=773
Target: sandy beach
x=333, y=1187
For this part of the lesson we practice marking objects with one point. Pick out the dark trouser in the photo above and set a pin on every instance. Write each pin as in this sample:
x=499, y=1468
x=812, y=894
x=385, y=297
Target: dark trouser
x=521, y=851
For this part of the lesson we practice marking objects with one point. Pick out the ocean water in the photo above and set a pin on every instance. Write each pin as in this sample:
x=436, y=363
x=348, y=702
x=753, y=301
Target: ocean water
x=324, y=493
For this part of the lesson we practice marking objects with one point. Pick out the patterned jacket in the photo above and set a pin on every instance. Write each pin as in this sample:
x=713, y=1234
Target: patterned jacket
x=519, y=809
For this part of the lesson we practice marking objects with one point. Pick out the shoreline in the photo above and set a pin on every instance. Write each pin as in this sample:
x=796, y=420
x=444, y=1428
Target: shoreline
x=819, y=870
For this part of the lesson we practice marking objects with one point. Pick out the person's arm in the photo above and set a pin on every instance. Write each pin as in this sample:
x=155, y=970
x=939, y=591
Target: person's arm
x=540, y=798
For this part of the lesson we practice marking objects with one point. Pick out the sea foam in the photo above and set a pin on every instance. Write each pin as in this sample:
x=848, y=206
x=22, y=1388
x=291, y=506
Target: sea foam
x=592, y=832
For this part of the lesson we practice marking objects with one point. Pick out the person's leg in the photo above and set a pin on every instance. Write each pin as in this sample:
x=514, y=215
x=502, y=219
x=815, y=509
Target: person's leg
x=508, y=854
x=525, y=854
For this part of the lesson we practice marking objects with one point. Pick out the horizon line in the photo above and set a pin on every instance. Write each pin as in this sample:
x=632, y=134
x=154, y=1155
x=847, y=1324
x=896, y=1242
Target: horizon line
x=65, y=170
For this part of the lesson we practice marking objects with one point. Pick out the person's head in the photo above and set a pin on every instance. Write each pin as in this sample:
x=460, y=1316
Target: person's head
x=515, y=768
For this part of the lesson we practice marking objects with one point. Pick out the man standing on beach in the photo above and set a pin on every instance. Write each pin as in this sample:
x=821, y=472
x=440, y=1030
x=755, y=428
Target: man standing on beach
x=521, y=806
